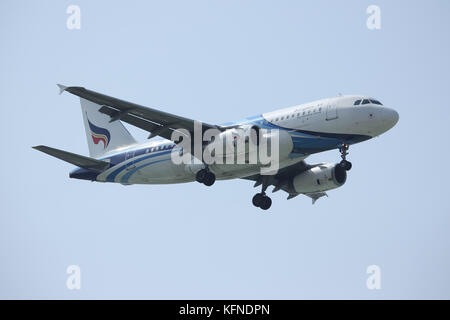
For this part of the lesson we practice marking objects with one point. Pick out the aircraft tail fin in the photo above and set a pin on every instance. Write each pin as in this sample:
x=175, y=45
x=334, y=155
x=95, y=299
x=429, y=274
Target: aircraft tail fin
x=101, y=134
x=75, y=159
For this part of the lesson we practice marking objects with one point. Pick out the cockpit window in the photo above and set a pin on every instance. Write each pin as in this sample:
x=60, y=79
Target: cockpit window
x=357, y=102
x=376, y=102
x=365, y=101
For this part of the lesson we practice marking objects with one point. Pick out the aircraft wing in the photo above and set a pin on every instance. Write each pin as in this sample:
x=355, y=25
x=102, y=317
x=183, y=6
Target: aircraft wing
x=158, y=123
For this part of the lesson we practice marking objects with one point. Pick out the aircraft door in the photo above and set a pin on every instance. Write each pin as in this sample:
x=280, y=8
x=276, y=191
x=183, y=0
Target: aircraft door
x=331, y=111
x=130, y=155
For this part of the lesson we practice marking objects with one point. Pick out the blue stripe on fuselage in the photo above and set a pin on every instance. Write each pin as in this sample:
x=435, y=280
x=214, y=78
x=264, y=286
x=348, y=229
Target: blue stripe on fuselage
x=127, y=175
x=112, y=176
x=307, y=141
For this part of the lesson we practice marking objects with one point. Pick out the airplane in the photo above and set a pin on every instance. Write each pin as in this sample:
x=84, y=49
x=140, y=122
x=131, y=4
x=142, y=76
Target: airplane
x=302, y=130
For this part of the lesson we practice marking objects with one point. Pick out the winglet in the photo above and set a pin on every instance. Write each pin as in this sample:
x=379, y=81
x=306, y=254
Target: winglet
x=61, y=88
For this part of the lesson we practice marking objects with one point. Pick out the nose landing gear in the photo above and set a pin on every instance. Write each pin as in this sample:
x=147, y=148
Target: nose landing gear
x=206, y=177
x=343, y=149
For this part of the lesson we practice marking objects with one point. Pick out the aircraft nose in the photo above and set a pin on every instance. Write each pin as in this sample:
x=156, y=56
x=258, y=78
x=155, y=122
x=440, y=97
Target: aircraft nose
x=389, y=118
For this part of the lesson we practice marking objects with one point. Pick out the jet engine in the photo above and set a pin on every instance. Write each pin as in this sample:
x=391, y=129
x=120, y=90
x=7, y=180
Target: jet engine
x=320, y=178
x=247, y=139
x=242, y=134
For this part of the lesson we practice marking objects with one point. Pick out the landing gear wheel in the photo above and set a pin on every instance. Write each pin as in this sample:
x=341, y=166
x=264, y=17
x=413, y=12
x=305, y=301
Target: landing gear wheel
x=260, y=200
x=201, y=175
x=265, y=203
x=347, y=165
x=257, y=199
x=209, y=180
x=343, y=149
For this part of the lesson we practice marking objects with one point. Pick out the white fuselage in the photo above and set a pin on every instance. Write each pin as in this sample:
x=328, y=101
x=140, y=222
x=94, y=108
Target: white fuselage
x=312, y=127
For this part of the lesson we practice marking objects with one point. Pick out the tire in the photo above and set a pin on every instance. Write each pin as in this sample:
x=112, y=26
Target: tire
x=266, y=203
x=209, y=179
x=201, y=176
x=257, y=199
x=348, y=166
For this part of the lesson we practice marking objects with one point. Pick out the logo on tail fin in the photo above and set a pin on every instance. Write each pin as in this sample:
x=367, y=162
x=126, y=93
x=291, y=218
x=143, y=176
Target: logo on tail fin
x=99, y=134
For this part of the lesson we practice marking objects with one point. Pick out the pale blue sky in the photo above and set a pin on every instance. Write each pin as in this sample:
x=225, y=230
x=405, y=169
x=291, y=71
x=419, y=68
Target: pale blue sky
x=220, y=61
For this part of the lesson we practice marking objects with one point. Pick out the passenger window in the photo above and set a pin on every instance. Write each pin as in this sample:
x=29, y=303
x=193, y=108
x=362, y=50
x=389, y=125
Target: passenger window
x=365, y=101
x=357, y=102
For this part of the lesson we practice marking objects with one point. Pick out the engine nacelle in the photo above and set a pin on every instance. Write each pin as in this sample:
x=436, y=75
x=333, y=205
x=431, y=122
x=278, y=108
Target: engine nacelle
x=194, y=167
x=247, y=135
x=250, y=133
x=243, y=134
x=320, y=178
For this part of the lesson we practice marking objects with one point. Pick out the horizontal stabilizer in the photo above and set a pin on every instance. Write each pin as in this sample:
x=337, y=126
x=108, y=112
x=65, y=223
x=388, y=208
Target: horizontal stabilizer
x=75, y=159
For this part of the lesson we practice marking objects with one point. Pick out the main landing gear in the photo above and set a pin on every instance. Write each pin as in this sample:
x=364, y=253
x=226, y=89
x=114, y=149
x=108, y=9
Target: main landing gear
x=343, y=149
x=206, y=177
x=261, y=200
